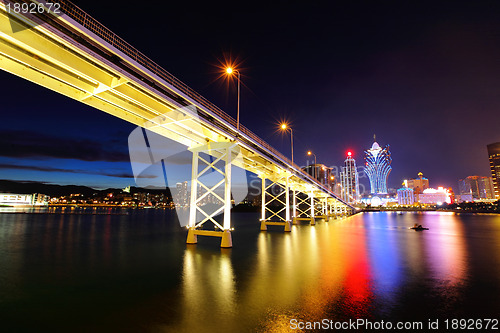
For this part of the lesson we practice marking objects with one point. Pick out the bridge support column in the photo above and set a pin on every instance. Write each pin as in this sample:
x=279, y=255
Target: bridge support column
x=288, y=225
x=324, y=208
x=294, y=208
x=302, y=207
x=222, y=151
x=263, y=226
x=276, y=217
x=311, y=196
x=342, y=211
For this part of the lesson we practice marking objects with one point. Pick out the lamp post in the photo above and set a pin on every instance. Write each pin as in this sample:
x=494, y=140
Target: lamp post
x=314, y=168
x=285, y=127
x=230, y=71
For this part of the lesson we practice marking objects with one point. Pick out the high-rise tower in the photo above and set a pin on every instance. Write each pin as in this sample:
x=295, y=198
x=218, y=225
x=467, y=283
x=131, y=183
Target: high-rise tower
x=494, y=156
x=377, y=167
x=349, y=180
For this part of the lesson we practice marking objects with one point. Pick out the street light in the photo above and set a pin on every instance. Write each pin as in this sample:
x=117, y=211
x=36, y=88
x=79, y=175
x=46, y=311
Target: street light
x=314, y=167
x=284, y=127
x=230, y=71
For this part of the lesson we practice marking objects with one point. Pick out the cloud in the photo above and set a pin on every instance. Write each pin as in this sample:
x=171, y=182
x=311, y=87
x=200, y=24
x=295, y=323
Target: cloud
x=25, y=144
x=89, y=172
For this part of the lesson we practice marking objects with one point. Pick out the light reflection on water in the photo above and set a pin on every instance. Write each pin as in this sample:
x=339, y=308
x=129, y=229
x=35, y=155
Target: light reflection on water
x=134, y=272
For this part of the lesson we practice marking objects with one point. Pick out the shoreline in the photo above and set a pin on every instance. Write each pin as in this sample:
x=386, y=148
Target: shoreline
x=460, y=211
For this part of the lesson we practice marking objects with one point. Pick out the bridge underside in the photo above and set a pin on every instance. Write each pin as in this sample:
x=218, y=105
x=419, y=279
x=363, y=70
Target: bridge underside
x=102, y=71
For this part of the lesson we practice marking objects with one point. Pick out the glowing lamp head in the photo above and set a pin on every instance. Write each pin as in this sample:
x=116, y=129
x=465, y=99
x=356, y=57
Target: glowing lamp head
x=283, y=126
x=349, y=153
x=309, y=153
x=229, y=70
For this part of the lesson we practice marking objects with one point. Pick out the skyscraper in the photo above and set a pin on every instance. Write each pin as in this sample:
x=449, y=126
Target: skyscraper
x=494, y=155
x=477, y=187
x=182, y=194
x=322, y=173
x=378, y=167
x=349, y=180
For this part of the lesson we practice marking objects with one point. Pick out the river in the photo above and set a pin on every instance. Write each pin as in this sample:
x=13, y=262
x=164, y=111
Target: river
x=131, y=271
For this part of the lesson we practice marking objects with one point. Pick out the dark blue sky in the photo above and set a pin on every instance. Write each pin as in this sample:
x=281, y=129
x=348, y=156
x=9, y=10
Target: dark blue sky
x=424, y=77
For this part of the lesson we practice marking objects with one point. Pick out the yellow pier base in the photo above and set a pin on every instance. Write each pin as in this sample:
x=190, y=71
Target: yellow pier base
x=192, y=238
x=263, y=225
x=226, y=239
x=309, y=219
x=286, y=224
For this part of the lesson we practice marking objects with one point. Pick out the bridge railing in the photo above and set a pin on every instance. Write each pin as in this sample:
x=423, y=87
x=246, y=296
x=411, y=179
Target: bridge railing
x=88, y=22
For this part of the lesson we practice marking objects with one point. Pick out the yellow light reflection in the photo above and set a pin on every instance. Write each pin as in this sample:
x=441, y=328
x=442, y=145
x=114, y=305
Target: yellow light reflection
x=208, y=283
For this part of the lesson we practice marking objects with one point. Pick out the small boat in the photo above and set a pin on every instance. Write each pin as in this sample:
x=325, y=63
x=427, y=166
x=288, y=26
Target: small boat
x=418, y=228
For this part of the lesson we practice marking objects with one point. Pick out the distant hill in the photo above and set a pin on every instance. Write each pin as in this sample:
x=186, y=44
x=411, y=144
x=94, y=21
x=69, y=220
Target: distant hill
x=53, y=190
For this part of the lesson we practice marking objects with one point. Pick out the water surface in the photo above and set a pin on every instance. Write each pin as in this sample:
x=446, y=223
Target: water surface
x=131, y=271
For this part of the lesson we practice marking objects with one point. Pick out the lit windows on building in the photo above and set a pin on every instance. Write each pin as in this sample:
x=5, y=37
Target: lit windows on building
x=418, y=184
x=432, y=196
x=476, y=187
x=182, y=193
x=494, y=157
x=377, y=167
x=349, y=180
x=24, y=200
x=406, y=196
x=322, y=174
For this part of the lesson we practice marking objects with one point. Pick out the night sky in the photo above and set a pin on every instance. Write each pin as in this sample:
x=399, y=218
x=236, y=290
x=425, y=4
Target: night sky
x=423, y=77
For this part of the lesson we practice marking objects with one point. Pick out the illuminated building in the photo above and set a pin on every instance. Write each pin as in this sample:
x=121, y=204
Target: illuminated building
x=182, y=193
x=466, y=198
x=432, y=196
x=452, y=195
x=419, y=184
x=349, y=180
x=406, y=196
x=321, y=173
x=477, y=187
x=23, y=200
x=494, y=156
x=378, y=167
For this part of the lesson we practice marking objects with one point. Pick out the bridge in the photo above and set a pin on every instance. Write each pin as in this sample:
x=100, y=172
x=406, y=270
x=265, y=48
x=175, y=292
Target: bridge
x=66, y=50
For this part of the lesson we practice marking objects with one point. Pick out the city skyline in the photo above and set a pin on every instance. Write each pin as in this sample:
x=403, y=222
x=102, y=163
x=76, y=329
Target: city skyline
x=204, y=167
x=61, y=141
